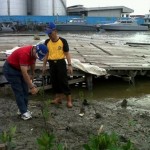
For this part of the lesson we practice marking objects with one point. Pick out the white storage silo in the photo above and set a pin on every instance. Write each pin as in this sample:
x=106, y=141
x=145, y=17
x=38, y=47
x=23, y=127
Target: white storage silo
x=60, y=7
x=29, y=7
x=49, y=7
x=3, y=8
x=42, y=8
x=13, y=7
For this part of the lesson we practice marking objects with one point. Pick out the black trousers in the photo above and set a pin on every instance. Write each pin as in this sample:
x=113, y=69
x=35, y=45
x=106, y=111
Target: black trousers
x=58, y=75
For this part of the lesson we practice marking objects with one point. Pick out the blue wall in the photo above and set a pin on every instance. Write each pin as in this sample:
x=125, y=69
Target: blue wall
x=62, y=19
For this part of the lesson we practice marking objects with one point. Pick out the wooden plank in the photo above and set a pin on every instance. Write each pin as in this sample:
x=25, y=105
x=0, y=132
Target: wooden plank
x=135, y=43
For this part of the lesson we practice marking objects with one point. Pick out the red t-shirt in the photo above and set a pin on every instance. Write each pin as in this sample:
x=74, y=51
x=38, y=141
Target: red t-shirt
x=21, y=57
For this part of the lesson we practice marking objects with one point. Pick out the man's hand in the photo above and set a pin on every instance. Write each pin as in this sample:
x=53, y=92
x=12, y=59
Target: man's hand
x=34, y=90
x=70, y=70
x=31, y=77
x=43, y=70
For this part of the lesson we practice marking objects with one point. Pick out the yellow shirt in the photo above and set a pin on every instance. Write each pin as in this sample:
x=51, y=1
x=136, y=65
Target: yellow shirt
x=57, y=49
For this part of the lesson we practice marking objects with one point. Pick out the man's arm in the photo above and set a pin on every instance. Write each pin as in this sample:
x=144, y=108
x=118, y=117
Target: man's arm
x=24, y=70
x=68, y=57
x=44, y=63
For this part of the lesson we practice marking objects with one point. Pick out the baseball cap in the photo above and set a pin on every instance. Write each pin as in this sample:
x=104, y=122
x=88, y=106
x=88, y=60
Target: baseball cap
x=41, y=51
x=51, y=27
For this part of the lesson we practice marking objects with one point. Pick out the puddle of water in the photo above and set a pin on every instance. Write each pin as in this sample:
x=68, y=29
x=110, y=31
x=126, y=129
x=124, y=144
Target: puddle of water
x=113, y=89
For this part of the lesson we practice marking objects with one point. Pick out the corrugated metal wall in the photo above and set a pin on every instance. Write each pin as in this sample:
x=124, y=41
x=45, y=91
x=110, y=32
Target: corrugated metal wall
x=63, y=19
x=13, y=7
x=106, y=13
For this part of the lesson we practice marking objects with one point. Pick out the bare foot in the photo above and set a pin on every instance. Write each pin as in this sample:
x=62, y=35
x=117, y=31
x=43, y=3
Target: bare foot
x=56, y=101
x=69, y=104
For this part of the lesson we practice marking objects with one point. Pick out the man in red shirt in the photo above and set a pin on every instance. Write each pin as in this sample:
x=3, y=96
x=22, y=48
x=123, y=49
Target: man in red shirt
x=15, y=70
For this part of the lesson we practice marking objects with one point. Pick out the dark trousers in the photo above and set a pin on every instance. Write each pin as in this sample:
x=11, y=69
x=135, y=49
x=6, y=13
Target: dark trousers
x=18, y=85
x=58, y=75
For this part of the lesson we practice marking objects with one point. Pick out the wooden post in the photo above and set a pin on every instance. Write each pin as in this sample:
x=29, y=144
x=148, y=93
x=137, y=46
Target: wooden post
x=89, y=81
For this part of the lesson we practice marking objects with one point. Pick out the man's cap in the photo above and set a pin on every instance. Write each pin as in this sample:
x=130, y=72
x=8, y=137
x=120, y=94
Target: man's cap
x=51, y=27
x=41, y=50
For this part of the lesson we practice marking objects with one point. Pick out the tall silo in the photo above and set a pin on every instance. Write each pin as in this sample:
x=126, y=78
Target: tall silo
x=29, y=7
x=4, y=8
x=49, y=7
x=60, y=7
x=13, y=7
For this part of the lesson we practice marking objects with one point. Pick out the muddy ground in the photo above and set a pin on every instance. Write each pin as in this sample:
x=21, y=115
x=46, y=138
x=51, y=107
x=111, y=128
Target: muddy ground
x=71, y=129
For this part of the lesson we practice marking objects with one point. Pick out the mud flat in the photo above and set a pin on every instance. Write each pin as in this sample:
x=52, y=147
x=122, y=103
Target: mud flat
x=72, y=130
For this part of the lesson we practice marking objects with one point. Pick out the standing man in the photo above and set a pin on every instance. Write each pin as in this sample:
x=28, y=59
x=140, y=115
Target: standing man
x=15, y=70
x=58, y=51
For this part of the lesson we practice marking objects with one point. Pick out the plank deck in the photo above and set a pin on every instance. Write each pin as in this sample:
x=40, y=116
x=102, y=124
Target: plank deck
x=102, y=53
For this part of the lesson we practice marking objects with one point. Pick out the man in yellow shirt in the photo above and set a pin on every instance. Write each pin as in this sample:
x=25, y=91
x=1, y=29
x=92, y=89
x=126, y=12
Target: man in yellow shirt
x=58, y=51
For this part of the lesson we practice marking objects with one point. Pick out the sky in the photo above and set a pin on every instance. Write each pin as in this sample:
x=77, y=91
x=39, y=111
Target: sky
x=140, y=7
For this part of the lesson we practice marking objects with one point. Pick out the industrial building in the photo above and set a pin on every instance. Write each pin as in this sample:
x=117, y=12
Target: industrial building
x=58, y=7
x=44, y=11
x=114, y=11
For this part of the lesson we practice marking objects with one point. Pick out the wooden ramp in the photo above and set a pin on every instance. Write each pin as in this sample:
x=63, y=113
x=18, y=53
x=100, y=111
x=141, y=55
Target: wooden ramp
x=128, y=60
x=116, y=59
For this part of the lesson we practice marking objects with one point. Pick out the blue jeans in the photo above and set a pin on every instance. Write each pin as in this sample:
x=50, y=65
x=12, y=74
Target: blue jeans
x=18, y=85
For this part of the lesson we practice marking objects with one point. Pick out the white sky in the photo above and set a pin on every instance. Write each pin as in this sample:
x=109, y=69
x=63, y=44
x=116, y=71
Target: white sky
x=140, y=7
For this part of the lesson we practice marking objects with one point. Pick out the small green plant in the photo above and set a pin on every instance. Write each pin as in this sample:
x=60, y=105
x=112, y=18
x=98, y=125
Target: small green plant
x=42, y=92
x=45, y=113
x=131, y=123
x=104, y=141
x=47, y=142
x=44, y=106
x=81, y=95
x=6, y=137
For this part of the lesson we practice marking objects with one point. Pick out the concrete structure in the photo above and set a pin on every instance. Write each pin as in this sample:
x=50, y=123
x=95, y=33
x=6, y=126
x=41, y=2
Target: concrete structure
x=48, y=7
x=33, y=7
x=114, y=11
x=42, y=8
x=13, y=7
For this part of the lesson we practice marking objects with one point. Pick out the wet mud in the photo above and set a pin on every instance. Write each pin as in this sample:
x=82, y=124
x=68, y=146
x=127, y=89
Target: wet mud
x=73, y=128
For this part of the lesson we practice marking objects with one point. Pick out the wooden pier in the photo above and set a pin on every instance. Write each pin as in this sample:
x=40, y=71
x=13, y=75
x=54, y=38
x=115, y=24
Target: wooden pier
x=126, y=60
